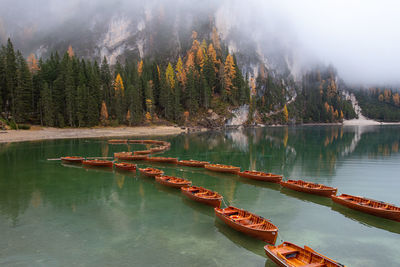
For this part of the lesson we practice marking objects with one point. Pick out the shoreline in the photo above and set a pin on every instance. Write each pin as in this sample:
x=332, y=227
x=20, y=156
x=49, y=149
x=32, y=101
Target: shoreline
x=49, y=133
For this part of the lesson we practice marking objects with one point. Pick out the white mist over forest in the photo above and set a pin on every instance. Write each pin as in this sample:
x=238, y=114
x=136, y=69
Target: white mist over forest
x=359, y=38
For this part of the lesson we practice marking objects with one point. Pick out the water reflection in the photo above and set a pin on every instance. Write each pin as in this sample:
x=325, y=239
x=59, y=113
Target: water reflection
x=50, y=189
x=367, y=219
x=325, y=201
x=247, y=242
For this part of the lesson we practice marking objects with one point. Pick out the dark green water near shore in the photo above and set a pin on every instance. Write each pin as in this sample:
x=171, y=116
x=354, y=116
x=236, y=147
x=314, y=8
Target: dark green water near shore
x=61, y=215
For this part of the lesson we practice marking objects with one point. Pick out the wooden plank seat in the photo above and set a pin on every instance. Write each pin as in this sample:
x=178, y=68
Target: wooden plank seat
x=242, y=218
x=315, y=265
x=286, y=250
x=255, y=225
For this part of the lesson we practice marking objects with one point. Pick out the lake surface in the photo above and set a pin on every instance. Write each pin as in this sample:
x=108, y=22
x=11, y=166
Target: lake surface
x=62, y=215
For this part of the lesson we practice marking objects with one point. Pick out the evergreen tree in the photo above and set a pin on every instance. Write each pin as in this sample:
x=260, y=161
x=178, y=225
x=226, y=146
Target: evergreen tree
x=46, y=106
x=82, y=104
x=106, y=82
x=11, y=78
x=136, y=104
x=23, y=91
x=3, y=82
x=70, y=92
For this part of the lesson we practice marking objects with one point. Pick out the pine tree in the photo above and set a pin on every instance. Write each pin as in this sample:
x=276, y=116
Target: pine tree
x=3, y=83
x=46, y=106
x=82, y=103
x=70, y=93
x=23, y=91
x=177, y=109
x=106, y=82
x=11, y=77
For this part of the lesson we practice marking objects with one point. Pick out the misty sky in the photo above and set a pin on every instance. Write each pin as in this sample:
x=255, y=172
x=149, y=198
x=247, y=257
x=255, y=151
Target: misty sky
x=360, y=38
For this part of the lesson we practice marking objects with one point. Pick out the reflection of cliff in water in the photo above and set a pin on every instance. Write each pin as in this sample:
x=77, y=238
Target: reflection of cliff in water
x=313, y=149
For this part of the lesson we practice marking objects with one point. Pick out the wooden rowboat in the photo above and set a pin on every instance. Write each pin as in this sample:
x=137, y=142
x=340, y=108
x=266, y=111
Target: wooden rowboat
x=291, y=255
x=261, y=176
x=149, y=142
x=142, y=152
x=308, y=187
x=122, y=154
x=193, y=163
x=117, y=141
x=72, y=159
x=126, y=166
x=370, y=206
x=151, y=172
x=202, y=195
x=222, y=168
x=163, y=160
x=135, y=141
x=98, y=163
x=172, y=181
x=158, y=149
x=133, y=157
x=248, y=223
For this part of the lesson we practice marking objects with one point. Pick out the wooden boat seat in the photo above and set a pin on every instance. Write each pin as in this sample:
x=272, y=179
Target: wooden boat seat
x=255, y=225
x=243, y=218
x=230, y=212
x=315, y=265
x=286, y=250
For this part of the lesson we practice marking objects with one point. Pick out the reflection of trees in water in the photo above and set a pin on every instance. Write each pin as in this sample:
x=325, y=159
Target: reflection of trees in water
x=32, y=181
x=29, y=180
x=378, y=141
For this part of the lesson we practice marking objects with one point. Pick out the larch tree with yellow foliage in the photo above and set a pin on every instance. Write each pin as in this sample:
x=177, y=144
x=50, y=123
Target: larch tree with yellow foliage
x=180, y=72
x=118, y=98
x=285, y=114
x=229, y=75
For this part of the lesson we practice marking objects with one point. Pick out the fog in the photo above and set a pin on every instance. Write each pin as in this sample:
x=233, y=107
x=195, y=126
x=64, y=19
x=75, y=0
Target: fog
x=360, y=38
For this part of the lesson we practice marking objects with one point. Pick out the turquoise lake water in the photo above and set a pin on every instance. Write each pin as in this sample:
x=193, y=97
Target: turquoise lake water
x=52, y=214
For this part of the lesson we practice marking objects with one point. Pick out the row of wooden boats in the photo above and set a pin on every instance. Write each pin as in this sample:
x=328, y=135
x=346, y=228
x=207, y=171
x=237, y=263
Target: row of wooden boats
x=362, y=204
x=100, y=163
x=240, y=220
x=285, y=254
x=196, y=193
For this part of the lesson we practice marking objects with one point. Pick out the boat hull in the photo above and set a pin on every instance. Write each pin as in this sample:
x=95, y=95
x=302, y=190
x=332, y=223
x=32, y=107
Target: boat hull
x=291, y=255
x=150, y=174
x=126, y=167
x=266, y=178
x=268, y=236
x=275, y=258
x=214, y=202
x=315, y=191
x=388, y=214
x=76, y=160
x=163, y=160
x=133, y=157
x=102, y=163
x=189, y=163
x=142, y=152
x=222, y=169
x=174, y=185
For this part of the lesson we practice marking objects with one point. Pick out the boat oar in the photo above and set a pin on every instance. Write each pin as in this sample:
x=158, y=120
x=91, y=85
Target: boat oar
x=55, y=159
